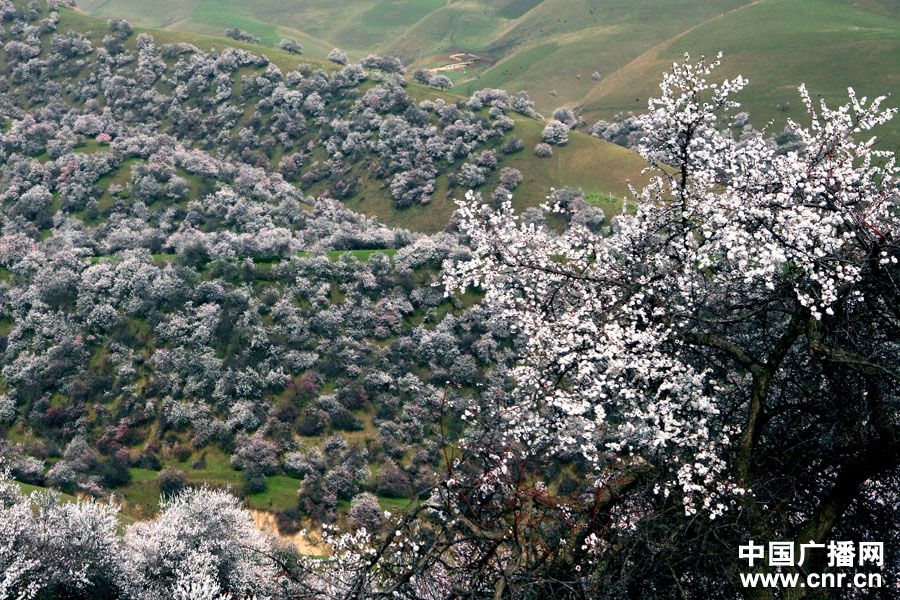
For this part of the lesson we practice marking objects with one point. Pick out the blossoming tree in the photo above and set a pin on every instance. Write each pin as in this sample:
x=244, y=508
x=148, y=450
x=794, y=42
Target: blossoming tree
x=731, y=340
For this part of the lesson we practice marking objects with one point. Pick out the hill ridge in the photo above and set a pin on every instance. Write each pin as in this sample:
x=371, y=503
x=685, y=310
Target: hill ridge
x=621, y=72
x=553, y=48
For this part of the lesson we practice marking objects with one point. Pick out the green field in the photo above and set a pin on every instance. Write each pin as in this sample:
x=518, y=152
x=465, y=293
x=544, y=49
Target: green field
x=208, y=17
x=142, y=495
x=551, y=48
x=778, y=44
x=27, y=488
x=140, y=498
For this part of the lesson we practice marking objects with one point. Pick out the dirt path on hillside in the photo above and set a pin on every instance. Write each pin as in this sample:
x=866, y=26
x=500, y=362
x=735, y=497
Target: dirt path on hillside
x=463, y=60
x=265, y=522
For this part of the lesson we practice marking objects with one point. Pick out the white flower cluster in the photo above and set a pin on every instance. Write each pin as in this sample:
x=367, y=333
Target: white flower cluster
x=203, y=545
x=608, y=321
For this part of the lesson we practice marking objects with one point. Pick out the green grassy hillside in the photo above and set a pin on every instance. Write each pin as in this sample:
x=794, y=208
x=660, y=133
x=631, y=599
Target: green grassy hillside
x=206, y=17
x=552, y=48
x=558, y=45
x=778, y=44
x=599, y=168
x=76, y=20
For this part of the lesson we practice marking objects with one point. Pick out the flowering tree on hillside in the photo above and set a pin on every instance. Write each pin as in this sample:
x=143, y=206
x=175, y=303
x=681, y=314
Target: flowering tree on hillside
x=633, y=399
x=691, y=353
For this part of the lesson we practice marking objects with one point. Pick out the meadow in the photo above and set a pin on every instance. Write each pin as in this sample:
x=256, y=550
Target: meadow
x=602, y=55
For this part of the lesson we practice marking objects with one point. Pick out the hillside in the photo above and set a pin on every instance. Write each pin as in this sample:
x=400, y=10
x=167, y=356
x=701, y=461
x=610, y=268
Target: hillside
x=553, y=48
x=253, y=345
x=188, y=275
x=839, y=45
x=602, y=170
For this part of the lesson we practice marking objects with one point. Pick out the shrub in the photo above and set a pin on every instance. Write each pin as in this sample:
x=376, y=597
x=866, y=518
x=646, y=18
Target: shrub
x=365, y=513
x=241, y=35
x=336, y=56
x=543, y=150
x=556, y=132
x=344, y=420
x=316, y=499
x=312, y=421
x=295, y=464
x=441, y=81
x=291, y=46
x=342, y=482
x=63, y=477
x=288, y=521
x=149, y=461
x=182, y=452
x=566, y=116
x=471, y=176
x=510, y=178
x=171, y=481
x=255, y=455
x=393, y=481
x=255, y=484
x=114, y=473
x=512, y=145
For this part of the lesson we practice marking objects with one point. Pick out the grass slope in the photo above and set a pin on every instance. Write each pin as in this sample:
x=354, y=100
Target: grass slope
x=596, y=166
x=206, y=17
x=552, y=47
x=142, y=495
x=553, y=50
x=778, y=44
x=95, y=28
